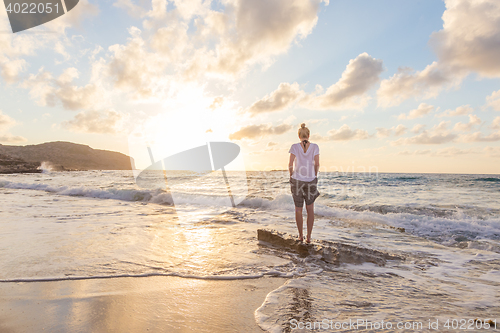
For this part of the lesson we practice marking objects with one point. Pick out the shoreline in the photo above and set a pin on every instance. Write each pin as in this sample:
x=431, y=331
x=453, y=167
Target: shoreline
x=128, y=304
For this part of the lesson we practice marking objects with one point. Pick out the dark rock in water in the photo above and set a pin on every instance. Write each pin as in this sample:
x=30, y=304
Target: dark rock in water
x=10, y=164
x=398, y=229
x=332, y=252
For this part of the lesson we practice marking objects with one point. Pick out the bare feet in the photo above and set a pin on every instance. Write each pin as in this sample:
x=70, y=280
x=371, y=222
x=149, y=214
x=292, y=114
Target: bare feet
x=301, y=238
x=308, y=240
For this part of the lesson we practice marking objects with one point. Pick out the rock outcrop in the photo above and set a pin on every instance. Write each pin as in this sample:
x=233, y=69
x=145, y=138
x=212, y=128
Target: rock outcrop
x=332, y=252
x=68, y=156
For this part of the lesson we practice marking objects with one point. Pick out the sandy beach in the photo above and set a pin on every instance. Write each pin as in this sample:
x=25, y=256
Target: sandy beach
x=154, y=304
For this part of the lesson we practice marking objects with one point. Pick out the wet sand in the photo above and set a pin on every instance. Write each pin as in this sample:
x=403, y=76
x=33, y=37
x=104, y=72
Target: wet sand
x=154, y=304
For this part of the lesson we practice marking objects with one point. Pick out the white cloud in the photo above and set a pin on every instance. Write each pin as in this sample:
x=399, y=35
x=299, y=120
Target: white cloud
x=399, y=130
x=473, y=120
x=469, y=42
x=360, y=75
x=386, y=132
x=441, y=127
x=131, y=8
x=278, y=100
x=48, y=91
x=107, y=122
x=257, y=30
x=417, y=128
x=454, y=151
x=383, y=132
x=480, y=137
x=416, y=152
x=344, y=133
x=496, y=123
x=422, y=110
x=494, y=100
x=9, y=138
x=425, y=84
x=259, y=131
x=434, y=137
x=6, y=122
x=460, y=111
x=492, y=151
x=15, y=47
x=470, y=38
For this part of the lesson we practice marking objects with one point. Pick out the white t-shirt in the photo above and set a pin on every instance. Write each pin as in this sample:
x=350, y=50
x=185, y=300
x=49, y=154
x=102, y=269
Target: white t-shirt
x=304, y=162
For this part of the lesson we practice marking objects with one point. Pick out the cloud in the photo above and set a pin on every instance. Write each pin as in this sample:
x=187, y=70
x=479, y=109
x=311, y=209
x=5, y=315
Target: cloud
x=425, y=84
x=473, y=120
x=9, y=138
x=419, y=112
x=480, y=137
x=217, y=103
x=441, y=127
x=10, y=69
x=416, y=152
x=454, y=151
x=470, y=38
x=494, y=100
x=6, y=122
x=445, y=152
x=14, y=47
x=278, y=100
x=344, y=133
x=460, y=111
x=133, y=68
x=386, y=132
x=383, y=132
x=131, y=8
x=48, y=91
x=417, y=128
x=469, y=42
x=258, y=131
x=492, y=151
x=106, y=122
x=496, y=123
x=256, y=30
x=360, y=75
x=426, y=138
x=399, y=130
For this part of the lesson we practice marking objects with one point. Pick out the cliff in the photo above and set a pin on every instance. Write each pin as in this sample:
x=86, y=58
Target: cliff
x=64, y=156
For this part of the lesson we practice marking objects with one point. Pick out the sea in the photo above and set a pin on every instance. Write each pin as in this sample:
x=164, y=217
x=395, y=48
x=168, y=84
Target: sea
x=102, y=224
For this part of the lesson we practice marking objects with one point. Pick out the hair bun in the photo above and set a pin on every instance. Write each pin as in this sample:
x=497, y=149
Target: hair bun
x=303, y=125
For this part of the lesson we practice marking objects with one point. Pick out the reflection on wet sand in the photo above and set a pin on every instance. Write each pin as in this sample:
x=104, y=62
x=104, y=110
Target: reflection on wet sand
x=155, y=304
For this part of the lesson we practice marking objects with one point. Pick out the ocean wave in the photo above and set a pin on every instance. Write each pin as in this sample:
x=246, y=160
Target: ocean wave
x=488, y=179
x=117, y=194
x=272, y=273
x=446, y=225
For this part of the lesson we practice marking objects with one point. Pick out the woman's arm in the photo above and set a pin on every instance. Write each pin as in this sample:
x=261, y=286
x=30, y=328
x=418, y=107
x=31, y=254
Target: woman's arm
x=290, y=164
x=316, y=165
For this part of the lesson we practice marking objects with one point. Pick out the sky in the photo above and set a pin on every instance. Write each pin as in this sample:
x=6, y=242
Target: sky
x=383, y=86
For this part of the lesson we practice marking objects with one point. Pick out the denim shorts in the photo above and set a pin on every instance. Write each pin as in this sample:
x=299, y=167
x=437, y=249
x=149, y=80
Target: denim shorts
x=304, y=191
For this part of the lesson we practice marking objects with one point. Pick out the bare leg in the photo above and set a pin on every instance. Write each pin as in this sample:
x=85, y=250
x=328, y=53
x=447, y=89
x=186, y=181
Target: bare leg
x=300, y=221
x=310, y=221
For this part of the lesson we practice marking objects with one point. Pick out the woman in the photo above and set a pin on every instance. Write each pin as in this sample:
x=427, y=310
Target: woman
x=303, y=167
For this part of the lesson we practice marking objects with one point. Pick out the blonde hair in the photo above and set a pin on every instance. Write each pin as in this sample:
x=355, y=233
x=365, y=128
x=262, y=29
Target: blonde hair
x=303, y=131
